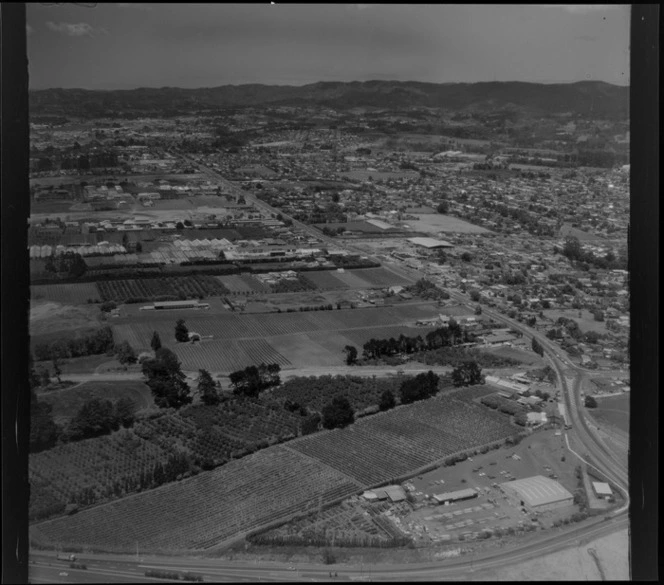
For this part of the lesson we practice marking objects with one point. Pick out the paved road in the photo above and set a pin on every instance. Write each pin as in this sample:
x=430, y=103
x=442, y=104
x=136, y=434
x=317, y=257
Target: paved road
x=45, y=568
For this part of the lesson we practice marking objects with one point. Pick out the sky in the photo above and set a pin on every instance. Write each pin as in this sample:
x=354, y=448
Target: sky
x=124, y=46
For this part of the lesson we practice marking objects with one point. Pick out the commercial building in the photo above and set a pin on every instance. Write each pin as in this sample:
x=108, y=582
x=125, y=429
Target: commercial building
x=430, y=243
x=537, y=493
x=457, y=496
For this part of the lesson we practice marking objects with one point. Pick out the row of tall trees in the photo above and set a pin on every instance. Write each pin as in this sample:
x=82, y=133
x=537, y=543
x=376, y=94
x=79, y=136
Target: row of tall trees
x=448, y=336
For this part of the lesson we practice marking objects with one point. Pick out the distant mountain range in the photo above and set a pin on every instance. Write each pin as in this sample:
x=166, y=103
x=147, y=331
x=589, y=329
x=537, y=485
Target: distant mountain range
x=588, y=98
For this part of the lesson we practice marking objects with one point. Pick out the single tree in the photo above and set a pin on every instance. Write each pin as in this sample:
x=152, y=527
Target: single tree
x=125, y=353
x=351, y=354
x=181, y=331
x=338, y=413
x=590, y=402
x=537, y=347
x=478, y=310
x=467, y=374
x=207, y=389
x=166, y=380
x=43, y=430
x=155, y=342
x=387, y=401
x=124, y=411
x=57, y=372
x=45, y=377
x=443, y=207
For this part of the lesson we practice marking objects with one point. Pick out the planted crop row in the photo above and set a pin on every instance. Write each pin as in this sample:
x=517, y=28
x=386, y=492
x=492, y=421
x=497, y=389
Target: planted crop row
x=203, y=511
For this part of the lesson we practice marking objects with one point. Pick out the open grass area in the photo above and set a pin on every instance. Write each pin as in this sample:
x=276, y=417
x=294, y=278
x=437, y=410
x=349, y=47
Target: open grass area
x=66, y=403
x=523, y=356
x=612, y=410
x=586, y=321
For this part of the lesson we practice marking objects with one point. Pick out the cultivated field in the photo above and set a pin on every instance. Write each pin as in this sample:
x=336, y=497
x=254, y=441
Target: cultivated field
x=67, y=294
x=326, y=280
x=443, y=223
x=405, y=439
x=154, y=288
x=269, y=485
x=234, y=283
x=380, y=277
x=300, y=339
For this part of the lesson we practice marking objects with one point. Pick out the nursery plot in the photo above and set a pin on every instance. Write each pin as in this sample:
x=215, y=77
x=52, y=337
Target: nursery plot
x=68, y=294
x=214, y=355
x=381, y=277
x=352, y=279
x=272, y=484
x=404, y=439
x=254, y=284
x=301, y=351
x=260, y=351
x=326, y=280
x=93, y=468
x=234, y=283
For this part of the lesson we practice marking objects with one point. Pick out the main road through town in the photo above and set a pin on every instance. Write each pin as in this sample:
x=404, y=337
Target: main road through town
x=44, y=567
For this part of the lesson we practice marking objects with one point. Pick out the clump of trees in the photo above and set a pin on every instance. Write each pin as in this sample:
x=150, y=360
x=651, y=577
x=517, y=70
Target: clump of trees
x=100, y=417
x=253, y=380
x=427, y=290
x=467, y=374
x=101, y=341
x=422, y=386
x=166, y=380
x=69, y=264
x=338, y=413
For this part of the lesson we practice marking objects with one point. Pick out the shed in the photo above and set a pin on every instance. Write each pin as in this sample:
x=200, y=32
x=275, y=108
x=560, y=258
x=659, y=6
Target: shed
x=602, y=489
x=395, y=493
x=449, y=497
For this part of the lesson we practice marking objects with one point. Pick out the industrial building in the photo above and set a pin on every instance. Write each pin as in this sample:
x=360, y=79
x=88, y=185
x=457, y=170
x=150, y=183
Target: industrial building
x=457, y=496
x=430, y=243
x=537, y=493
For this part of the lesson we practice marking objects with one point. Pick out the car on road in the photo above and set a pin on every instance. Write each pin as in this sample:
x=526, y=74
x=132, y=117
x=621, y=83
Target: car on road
x=64, y=574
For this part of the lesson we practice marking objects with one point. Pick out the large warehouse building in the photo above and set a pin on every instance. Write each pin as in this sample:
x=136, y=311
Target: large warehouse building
x=537, y=493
